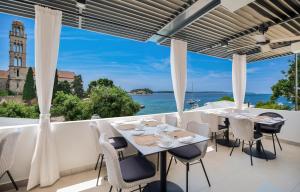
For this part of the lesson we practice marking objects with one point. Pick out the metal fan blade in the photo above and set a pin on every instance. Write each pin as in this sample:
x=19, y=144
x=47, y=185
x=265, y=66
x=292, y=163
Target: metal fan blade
x=240, y=48
x=294, y=38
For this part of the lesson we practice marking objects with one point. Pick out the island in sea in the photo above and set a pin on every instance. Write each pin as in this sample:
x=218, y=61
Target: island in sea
x=144, y=91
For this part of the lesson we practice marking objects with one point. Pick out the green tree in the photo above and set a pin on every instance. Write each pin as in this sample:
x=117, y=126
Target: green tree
x=100, y=82
x=286, y=87
x=64, y=86
x=71, y=107
x=29, y=87
x=112, y=101
x=77, y=86
x=55, y=84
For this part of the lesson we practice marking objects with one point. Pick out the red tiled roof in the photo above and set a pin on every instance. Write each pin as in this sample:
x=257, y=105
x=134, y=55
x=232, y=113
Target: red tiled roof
x=63, y=74
x=66, y=74
x=3, y=74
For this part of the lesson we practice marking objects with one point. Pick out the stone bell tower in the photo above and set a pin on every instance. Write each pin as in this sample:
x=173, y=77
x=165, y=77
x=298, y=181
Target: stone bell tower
x=17, y=58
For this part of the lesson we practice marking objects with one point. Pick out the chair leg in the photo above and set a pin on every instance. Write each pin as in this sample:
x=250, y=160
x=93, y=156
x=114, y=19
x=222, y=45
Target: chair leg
x=233, y=146
x=243, y=143
x=99, y=169
x=157, y=162
x=110, y=189
x=175, y=160
x=262, y=147
x=216, y=142
x=278, y=142
x=250, y=144
x=187, y=177
x=122, y=154
x=12, y=180
x=97, y=162
x=170, y=165
x=205, y=172
x=140, y=188
x=274, y=144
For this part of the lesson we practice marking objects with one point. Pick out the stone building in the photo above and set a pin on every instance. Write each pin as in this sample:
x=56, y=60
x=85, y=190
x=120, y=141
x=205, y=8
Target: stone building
x=14, y=78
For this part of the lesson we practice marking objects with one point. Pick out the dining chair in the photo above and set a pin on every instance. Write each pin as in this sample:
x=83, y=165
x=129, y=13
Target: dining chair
x=119, y=143
x=127, y=173
x=171, y=119
x=194, y=153
x=272, y=129
x=243, y=129
x=214, y=126
x=7, y=154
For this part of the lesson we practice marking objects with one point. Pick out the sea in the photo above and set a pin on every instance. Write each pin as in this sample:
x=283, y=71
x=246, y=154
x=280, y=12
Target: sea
x=165, y=102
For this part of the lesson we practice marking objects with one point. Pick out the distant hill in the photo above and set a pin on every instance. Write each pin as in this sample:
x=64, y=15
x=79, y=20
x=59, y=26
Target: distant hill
x=144, y=91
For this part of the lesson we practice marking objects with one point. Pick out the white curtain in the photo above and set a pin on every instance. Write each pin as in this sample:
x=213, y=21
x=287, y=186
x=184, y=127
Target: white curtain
x=239, y=72
x=179, y=75
x=44, y=169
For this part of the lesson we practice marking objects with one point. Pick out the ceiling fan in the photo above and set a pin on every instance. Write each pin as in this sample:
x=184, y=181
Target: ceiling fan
x=264, y=44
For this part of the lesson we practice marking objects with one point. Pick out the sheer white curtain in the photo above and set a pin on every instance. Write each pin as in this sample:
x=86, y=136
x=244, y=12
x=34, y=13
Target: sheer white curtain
x=239, y=72
x=44, y=169
x=179, y=74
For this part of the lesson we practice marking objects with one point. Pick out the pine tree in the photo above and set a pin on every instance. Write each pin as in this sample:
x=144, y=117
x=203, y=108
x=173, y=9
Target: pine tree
x=77, y=86
x=55, y=85
x=29, y=87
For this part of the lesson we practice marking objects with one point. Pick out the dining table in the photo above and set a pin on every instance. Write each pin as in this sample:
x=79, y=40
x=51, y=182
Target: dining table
x=257, y=120
x=156, y=131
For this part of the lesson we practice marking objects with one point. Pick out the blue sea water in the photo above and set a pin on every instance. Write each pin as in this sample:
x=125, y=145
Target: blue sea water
x=165, y=102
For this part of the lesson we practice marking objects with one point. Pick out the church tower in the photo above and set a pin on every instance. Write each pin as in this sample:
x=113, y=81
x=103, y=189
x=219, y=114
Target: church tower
x=17, y=58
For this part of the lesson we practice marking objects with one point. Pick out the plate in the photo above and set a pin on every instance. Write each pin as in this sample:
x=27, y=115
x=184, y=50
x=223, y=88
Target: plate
x=164, y=146
x=138, y=132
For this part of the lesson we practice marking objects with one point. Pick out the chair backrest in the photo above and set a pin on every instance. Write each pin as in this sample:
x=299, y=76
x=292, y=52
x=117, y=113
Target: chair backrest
x=112, y=163
x=212, y=120
x=242, y=128
x=105, y=127
x=171, y=119
x=8, y=150
x=200, y=129
x=277, y=126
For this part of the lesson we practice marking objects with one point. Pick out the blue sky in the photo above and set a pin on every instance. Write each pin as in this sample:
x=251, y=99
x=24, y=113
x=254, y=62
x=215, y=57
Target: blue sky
x=132, y=64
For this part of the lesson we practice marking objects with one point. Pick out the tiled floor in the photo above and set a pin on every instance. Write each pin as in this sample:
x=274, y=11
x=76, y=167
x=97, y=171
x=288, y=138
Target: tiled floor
x=227, y=174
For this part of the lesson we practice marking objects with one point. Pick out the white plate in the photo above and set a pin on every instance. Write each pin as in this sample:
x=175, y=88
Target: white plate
x=139, y=132
x=164, y=146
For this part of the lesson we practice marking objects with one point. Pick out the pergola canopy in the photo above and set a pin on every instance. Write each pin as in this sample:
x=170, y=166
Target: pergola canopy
x=206, y=25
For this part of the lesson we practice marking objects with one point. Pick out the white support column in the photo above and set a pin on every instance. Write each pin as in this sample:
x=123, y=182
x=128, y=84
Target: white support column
x=239, y=78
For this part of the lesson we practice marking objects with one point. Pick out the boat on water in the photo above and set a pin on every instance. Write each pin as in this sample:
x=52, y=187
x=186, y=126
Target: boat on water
x=193, y=101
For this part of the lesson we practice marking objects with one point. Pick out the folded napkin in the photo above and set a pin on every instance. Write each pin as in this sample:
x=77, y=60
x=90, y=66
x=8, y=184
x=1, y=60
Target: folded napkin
x=127, y=126
x=186, y=139
x=151, y=122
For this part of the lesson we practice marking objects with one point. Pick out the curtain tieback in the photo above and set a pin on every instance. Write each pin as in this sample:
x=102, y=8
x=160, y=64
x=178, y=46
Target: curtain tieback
x=45, y=116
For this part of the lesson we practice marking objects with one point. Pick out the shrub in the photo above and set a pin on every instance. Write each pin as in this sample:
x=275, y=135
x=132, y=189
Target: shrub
x=271, y=105
x=226, y=98
x=18, y=110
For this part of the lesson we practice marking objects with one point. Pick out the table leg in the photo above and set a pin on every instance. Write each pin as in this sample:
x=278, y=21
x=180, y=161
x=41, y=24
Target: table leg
x=257, y=152
x=163, y=185
x=163, y=171
x=227, y=142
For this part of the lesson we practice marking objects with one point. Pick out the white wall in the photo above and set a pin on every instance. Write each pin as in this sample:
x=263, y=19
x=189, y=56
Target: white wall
x=77, y=145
